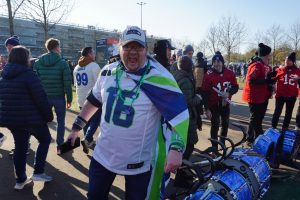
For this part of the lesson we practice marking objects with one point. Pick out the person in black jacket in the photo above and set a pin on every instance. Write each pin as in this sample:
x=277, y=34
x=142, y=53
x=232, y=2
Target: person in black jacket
x=9, y=44
x=186, y=82
x=162, y=50
x=25, y=111
x=200, y=68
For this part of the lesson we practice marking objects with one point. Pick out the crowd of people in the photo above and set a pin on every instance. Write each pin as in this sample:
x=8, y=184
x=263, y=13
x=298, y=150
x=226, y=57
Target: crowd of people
x=148, y=108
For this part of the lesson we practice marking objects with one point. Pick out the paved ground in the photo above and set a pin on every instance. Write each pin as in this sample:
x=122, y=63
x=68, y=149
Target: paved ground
x=70, y=171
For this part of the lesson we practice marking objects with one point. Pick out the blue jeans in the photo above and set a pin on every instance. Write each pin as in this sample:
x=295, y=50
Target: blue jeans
x=92, y=125
x=101, y=179
x=59, y=104
x=21, y=137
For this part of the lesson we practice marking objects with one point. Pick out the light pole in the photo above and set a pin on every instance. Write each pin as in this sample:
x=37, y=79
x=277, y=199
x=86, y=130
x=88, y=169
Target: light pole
x=141, y=4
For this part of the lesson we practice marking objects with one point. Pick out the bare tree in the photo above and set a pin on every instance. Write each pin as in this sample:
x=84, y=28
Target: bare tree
x=203, y=46
x=213, y=36
x=294, y=35
x=47, y=13
x=275, y=35
x=260, y=37
x=180, y=44
x=232, y=34
x=12, y=7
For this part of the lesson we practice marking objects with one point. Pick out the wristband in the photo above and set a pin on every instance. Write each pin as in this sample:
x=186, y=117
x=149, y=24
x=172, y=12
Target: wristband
x=178, y=149
x=79, y=123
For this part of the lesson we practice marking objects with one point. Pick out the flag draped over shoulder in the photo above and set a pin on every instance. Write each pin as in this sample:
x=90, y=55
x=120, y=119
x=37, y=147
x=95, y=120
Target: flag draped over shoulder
x=162, y=89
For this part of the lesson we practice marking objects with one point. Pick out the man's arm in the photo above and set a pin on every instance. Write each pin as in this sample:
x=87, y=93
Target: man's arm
x=234, y=86
x=176, y=149
x=67, y=80
x=87, y=111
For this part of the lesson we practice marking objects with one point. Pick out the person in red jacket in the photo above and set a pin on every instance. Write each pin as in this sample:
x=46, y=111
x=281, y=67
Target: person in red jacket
x=219, y=84
x=258, y=90
x=287, y=90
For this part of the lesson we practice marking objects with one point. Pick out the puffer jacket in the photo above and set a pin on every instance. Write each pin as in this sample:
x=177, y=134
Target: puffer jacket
x=55, y=75
x=23, y=101
x=186, y=83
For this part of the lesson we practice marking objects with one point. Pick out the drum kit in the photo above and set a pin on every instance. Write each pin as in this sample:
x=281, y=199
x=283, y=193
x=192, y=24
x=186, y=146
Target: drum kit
x=240, y=173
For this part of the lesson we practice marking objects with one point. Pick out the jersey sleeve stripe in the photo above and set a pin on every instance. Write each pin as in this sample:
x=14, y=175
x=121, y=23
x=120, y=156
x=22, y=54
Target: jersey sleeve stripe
x=162, y=81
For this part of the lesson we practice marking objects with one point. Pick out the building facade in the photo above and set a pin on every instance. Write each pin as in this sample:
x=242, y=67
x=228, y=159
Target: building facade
x=73, y=38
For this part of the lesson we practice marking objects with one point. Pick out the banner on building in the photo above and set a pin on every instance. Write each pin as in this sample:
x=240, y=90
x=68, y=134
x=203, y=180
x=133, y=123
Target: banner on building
x=105, y=48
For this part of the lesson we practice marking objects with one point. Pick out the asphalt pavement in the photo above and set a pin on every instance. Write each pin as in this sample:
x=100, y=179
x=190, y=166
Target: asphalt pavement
x=70, y=171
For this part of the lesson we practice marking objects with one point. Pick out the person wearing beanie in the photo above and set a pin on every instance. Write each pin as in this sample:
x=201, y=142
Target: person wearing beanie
x=188, y=50
x=56, y=78
x=218, y=56
x=263, y=50
x=258, y=89
x=219, y=84
x=11, y=42
x=162, y=50
x=85, y=75
x=185, y=79
x=178, y=54
x=199, y=70
x=174, y=66
x=287, y=91
x=27, y=112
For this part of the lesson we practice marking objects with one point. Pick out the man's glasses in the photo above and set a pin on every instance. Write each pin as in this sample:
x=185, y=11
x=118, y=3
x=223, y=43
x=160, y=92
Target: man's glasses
x=130, y=48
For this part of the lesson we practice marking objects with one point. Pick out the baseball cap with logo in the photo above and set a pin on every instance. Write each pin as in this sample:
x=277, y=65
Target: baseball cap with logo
x=133, y=34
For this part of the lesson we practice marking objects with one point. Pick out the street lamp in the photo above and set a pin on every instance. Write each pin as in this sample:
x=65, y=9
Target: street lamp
x=141, y=4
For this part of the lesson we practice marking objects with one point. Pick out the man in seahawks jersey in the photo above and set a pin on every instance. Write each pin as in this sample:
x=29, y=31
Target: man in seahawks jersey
x=134, y=93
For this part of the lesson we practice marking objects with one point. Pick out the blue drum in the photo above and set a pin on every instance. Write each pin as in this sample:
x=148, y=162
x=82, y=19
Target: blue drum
x=277, y=138
x=290, y=145
x=202, y=194
x=254, y=168
x=241, y=150
x=230, y=184
x=264, y=146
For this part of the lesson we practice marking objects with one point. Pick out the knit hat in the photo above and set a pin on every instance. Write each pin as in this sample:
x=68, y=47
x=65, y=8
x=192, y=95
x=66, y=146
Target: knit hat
x=292, y=57
x=185, y=63
x=179, y=52
x=13, y=40
x=199, y=55
x=218, y=56
x=187, y=49
x=263, y=50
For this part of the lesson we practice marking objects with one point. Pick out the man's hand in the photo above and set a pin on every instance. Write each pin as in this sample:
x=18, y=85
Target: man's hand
x=225, y=95
x=73, y=135
x=174, y=160
x=69, y=105
x=208, y=114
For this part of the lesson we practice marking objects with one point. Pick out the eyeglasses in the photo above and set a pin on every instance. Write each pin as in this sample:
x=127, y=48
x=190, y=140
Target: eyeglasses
x=130, y=48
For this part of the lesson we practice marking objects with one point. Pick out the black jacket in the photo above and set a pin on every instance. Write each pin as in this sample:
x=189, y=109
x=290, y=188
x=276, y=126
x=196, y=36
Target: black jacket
x=23, y=101
x=163, y=61
x=186, y=83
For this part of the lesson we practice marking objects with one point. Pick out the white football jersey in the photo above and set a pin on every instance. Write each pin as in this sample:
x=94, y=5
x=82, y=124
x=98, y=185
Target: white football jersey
x=128, y=130
x=84, y=80
x=128, y=134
